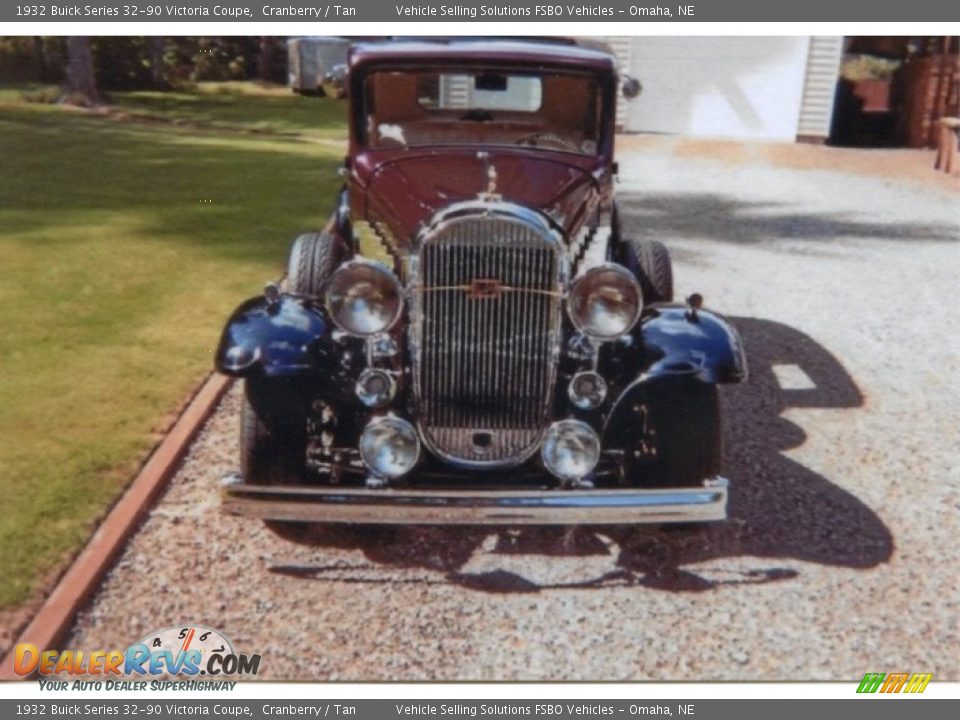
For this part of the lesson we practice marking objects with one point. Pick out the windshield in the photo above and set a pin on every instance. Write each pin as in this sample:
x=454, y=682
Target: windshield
x=483, y=107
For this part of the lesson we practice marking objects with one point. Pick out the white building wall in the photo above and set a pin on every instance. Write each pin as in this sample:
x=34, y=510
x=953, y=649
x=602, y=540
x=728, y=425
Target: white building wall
x=621, y=46
x=734, y=87
x=820, y=87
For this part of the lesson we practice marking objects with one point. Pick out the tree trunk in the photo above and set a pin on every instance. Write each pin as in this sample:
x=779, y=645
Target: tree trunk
x=40, y=59
x=158, y=70
x=81, y=82
x=263, y=59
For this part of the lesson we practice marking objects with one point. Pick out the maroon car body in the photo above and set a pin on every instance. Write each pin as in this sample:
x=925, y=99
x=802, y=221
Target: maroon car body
x=504, y=355
x=573, y=189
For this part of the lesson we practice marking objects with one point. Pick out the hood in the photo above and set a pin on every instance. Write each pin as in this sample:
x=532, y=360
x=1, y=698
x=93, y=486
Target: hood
x=405, y=191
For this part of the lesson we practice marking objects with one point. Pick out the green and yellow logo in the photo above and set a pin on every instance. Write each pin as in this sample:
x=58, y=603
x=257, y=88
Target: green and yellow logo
x=894, y=682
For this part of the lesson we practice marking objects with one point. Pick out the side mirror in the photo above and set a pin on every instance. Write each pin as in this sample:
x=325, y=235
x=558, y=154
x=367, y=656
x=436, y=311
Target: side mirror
x=630, y=87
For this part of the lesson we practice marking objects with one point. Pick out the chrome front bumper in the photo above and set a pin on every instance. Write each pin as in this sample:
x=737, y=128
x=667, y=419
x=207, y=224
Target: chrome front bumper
x=485, y=507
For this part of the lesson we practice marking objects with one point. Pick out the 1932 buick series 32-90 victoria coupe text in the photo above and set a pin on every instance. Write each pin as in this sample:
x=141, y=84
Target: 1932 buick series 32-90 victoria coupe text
x=472, y=339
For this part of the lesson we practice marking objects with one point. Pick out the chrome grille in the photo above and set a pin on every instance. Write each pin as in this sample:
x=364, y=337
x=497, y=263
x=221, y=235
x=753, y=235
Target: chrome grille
x=486, y=338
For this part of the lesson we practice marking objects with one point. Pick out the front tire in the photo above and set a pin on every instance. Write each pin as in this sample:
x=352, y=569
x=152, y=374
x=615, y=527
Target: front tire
x=682, y=443
x=267, y=457
x=273, y=447
x=273, y=439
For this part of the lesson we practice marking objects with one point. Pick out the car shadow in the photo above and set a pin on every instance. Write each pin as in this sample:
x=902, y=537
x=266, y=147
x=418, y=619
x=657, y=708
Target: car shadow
x=780, y=510
x=731, y=219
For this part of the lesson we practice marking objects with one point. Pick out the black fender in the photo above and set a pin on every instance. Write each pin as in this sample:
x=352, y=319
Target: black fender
x=677, y=339
x=287, y=338
x=681, y=345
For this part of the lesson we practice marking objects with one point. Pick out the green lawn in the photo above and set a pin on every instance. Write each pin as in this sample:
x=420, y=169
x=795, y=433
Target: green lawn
x=116, y=277
x=240, y=106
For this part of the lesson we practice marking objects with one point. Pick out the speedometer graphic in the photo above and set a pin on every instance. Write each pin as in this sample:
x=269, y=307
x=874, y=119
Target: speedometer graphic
x=183, y=639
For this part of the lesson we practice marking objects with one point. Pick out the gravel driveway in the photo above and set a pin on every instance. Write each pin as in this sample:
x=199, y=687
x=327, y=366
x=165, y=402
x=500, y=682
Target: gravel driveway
x=841, y=555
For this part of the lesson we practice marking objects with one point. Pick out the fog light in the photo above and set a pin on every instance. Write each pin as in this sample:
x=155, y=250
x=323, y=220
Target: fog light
x=571, y=449
x=375, y=388
x=389, y=447
x=587, y=390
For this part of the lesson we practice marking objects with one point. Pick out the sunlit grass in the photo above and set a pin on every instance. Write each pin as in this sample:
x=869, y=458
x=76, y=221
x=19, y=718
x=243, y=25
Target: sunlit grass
x=124, y=244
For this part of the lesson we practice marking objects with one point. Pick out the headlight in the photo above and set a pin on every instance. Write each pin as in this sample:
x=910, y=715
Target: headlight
x=364, y=297
x=605, y=302
x=571, y=449
x=389, y=447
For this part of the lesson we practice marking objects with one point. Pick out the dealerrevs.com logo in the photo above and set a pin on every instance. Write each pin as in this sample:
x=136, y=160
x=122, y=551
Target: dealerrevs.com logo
x=894, y=682
x=187, y=650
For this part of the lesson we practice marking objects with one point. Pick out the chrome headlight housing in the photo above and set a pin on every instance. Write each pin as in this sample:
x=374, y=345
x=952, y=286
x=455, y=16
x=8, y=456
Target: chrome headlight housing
x=605, y=302
x=587, y=390
x=364, y=297
x=376, y=388
x=570, y=450
x=389, y=447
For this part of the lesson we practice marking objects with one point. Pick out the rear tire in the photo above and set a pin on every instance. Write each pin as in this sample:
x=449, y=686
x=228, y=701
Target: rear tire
x=313, y=258
x=649, y=261
x=684, y=428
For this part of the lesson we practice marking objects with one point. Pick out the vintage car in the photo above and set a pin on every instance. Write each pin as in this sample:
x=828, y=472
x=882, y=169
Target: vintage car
x=471, y=339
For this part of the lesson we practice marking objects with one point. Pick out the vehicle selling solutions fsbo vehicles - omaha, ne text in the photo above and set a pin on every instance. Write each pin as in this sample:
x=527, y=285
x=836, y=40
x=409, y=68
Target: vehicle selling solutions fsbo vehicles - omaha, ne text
x=472, y=339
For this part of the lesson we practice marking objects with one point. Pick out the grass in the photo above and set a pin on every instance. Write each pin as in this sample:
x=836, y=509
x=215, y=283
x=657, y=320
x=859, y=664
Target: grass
x=125, y=241
x=239, y=106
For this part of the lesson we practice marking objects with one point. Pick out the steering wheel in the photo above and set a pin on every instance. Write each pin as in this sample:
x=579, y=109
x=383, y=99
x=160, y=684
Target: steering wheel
x=538, y=138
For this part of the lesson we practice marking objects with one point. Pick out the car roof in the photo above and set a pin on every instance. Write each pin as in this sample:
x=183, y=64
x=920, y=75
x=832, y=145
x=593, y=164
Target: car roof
x=556, y=52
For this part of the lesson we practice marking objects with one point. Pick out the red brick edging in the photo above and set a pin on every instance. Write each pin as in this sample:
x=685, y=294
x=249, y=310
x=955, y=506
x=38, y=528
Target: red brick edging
x=83, y=577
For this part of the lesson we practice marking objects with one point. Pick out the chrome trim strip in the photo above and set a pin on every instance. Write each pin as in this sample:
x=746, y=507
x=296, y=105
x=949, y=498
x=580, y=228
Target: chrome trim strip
x=491, y=207
x=509, y=507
